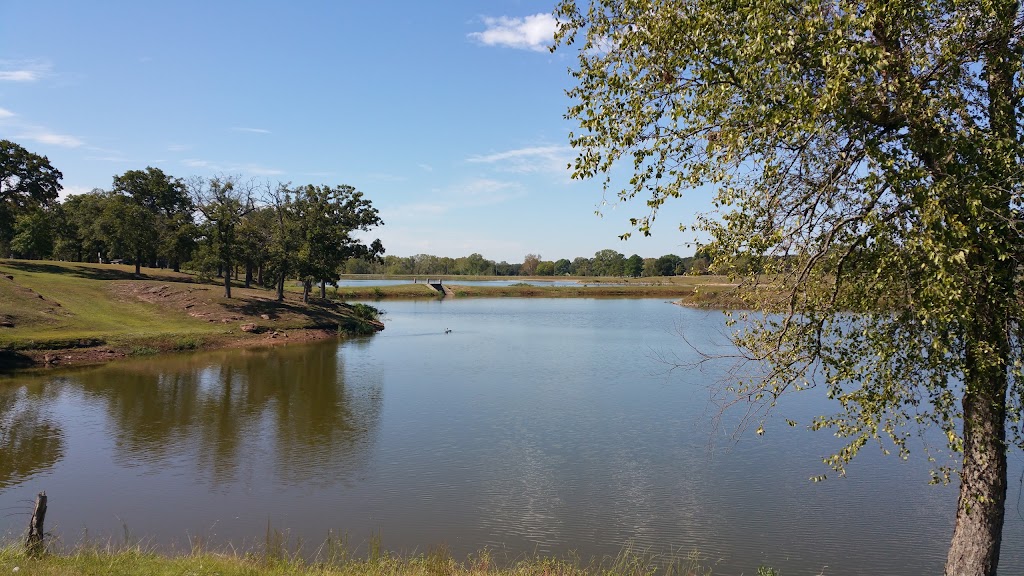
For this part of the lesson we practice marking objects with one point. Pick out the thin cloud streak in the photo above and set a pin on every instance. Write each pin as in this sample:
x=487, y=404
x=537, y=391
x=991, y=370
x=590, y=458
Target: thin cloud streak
x=246, y=169
x=531, y=159
x=251, y=130
x=47, y=137
x=22, y=71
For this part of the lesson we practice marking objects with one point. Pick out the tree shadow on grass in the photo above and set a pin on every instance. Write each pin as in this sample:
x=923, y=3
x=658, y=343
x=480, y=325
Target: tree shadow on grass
x=325, y=314
x=89, y=272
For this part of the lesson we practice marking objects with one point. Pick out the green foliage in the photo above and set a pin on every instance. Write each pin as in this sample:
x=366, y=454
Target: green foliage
x=189, y=342
x=204, y=263
x=633, y=267
x=33, y=234
x=27, y=181
x=365, y=311
x=866, y=164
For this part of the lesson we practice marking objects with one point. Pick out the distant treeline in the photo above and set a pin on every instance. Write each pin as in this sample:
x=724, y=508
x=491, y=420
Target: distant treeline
x=604, y=263
x=229, y=228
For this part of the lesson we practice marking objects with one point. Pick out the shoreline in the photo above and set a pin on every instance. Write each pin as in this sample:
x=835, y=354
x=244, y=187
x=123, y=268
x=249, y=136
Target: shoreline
x=14, y=362
x=59, y=314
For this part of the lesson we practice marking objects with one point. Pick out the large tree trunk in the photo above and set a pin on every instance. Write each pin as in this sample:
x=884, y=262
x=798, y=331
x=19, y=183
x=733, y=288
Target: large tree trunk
x=227, y=282
x=974, y=550
x=138, y=265
x=307, y=285
x=248, y=274
x=323, y=289
x=280, y=287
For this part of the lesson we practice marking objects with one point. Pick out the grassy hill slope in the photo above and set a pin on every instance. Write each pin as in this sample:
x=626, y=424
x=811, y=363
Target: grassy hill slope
x=57, y=312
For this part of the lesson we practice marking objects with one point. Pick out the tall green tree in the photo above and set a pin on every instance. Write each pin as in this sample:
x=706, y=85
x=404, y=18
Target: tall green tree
x=562, y=267
x=867, y=161
x=167, y=199
x=327, y=220
x=128, y=228
x=223, y=202
x=27, y=182
x=607, y=262
x=633, y=267
x=80, y=237
x=34, y=233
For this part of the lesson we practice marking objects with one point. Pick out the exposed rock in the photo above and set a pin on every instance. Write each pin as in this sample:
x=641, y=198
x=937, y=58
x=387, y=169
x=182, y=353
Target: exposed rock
x=250, y=327
x=265, y=316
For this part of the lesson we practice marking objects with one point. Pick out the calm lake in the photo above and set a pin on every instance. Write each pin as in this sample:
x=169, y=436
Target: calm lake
x=535, y=426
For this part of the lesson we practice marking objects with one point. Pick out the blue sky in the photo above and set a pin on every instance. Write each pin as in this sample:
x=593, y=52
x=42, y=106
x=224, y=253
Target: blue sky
x=448, y=114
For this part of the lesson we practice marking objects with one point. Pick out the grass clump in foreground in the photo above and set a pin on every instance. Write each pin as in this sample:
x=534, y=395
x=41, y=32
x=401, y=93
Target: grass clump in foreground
x=332, y=559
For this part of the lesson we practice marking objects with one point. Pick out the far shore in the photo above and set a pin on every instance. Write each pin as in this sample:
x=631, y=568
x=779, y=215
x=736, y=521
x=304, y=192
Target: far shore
x=69, y=313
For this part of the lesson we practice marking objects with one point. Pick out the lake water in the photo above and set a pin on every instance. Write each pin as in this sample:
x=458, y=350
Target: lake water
x=535, y=426
x=364, y=282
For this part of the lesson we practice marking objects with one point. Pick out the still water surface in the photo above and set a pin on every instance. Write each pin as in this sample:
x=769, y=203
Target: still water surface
x=363, y=282
x=547, y=426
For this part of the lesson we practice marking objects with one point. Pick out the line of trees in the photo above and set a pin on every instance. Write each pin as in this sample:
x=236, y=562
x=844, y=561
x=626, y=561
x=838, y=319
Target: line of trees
x=219, y=226
x=604, y=263
x=256, y=232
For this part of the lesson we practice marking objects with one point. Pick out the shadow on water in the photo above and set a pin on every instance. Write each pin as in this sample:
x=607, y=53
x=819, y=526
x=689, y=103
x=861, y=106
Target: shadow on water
x=226, y=407
x=11, y=360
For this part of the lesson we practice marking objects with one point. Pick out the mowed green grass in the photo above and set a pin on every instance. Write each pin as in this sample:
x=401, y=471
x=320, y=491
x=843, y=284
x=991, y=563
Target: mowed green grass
x=88, y=306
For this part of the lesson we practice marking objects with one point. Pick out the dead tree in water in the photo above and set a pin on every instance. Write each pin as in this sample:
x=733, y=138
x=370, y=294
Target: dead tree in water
x=34, y=543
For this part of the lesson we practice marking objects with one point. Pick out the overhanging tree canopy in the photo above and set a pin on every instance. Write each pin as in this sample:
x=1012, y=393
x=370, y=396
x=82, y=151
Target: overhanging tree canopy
x=866, y=158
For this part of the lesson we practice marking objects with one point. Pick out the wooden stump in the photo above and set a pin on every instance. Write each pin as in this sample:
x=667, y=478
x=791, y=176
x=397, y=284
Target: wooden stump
x=35, y=525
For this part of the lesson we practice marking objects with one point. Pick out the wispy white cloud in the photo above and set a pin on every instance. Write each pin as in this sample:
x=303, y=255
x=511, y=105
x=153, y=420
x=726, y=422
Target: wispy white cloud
x=4, y=113
x=425, y=167
x=534, y=32
x=531, y=159
x=46, y=137
x=231, y=168
x=486, y=192
x=177, y=147
x=23, y=71
x=251, y=130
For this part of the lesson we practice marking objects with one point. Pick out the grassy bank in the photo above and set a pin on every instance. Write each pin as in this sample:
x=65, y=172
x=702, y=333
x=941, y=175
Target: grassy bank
x=135, y=561
x=69, y=313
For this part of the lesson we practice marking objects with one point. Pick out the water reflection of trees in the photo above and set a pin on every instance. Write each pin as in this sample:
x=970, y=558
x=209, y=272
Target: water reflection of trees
x=291, y=404
x=30, y=440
